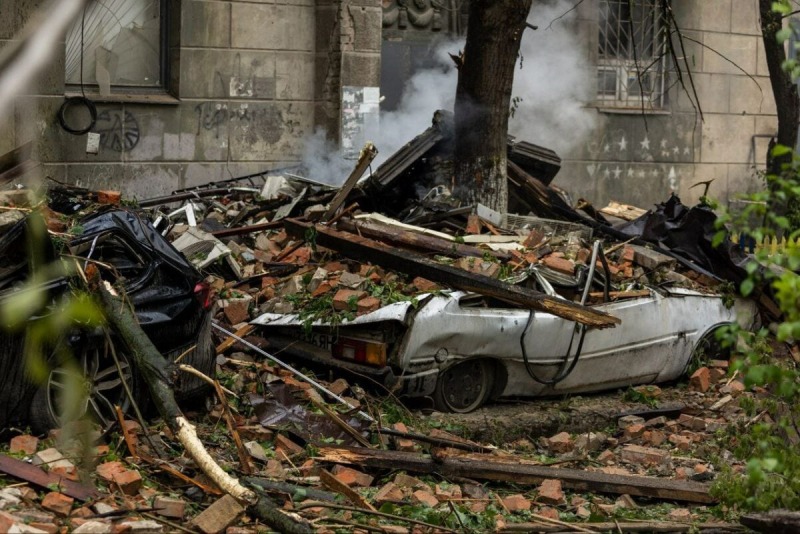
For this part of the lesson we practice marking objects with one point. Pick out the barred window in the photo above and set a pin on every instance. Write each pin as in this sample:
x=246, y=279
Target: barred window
x=631, y=60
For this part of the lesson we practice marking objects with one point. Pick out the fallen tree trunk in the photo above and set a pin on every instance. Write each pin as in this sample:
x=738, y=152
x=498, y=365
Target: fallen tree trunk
x=486, y=467
x=153, y=368
x=359, y=248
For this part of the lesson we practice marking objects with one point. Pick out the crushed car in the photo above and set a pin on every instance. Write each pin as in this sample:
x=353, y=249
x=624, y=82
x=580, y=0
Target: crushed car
x=169, y=296
x=462, y=350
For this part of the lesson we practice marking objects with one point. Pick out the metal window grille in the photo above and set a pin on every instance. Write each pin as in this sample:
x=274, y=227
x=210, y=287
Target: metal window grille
x=631, y=60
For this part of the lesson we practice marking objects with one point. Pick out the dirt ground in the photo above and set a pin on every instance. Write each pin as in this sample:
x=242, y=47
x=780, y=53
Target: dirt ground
x=509, y=420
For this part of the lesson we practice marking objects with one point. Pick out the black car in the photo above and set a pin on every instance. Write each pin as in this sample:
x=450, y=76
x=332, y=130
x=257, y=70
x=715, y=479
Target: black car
x=169, y=296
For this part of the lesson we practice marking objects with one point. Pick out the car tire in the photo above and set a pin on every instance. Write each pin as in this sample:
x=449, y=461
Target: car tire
x=465, y=386
x=104, y=389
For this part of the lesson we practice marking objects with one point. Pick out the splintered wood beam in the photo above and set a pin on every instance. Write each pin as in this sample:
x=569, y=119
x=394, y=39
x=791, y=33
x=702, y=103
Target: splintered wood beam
x=487, y=467
x=362, y=249
x=422, y=242
x=368, y=153
x=35, y=475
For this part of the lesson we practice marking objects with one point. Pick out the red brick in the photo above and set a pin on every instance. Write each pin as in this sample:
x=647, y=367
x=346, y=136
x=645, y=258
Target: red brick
x=627, y=255
x=691, y=422
x=681, y=515
x=389, y=493
x=6, y=521
x=516, y=503
x=634, y=431
x=58, y=503
x=550, y=492
x=107, y=470
x=287, y=448
x=561, y=443
x=473, y=224
x=368, y=305
x=716, y=375
x=301, y=256
x=534, y=239
x=654, y=438
x=237, y=311
x=343, y=297
x=50, y=528
x=424, y=285
x=129, y=481
x=734, y=389
x=167, y=507
x=352, y=477
x=425, y=497
x=644, y=455
x=700, y=380
x=322, y=289
x=25, y=443
x=682, y=443
x=109, y=197
x=561, y=265
x=548, y=512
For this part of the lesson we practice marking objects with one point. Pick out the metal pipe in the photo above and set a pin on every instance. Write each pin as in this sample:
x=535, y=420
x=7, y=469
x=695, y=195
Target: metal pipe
x=294, y=371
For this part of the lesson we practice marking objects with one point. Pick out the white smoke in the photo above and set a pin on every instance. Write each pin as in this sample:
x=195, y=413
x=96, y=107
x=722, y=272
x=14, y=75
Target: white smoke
x=425, y=92
x=552, y=82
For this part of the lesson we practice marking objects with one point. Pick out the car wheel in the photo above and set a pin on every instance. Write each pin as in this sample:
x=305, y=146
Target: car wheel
x=464, y=387
x=103, y=389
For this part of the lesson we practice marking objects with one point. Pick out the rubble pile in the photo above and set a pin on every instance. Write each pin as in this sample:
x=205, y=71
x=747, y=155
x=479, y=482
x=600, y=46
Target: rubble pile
x=405, y=479
x=329, y=453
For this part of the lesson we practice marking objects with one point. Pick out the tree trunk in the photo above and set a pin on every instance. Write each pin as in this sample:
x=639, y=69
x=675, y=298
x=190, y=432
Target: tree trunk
x=483, y=99
x=787, y=103
x=783, y=88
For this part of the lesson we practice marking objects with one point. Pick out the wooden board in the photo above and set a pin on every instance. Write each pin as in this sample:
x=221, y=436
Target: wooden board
x=362, y=249
x=518, y=471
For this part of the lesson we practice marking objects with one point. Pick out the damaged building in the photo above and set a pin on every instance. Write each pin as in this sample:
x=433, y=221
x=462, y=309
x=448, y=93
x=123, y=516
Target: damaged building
x=189, y=92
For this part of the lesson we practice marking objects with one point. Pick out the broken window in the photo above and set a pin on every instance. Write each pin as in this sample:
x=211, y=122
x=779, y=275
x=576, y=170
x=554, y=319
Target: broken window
x=631, y=61
x=119, y=44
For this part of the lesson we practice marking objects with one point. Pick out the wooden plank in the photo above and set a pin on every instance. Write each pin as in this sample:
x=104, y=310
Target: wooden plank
x=625, y=526
x=43, y=479
x=230, y=341
x=334, y=484
x=623, y=211
x=362, y=249
x=428, y=243
x=519, y=471
x=616, y=295
x=368, y=153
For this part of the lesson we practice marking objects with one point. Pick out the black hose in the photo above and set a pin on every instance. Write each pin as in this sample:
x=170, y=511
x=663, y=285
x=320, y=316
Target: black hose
x=563, y=371
x=72, y=102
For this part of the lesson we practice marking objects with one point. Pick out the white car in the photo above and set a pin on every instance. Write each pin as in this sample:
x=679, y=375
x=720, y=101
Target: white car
x=461, y=352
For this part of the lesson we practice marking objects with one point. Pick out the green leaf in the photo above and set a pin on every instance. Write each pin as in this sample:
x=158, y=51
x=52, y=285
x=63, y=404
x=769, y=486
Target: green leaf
x=747, y=287
x=783, y=35
x=780, y=150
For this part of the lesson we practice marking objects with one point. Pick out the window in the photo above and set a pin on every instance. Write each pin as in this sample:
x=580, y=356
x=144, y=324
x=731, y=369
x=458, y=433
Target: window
x=631, y=60
x=123, y=46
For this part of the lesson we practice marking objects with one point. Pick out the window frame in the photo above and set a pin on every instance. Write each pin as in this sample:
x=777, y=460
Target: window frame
x=628, y=70
x=166, y=92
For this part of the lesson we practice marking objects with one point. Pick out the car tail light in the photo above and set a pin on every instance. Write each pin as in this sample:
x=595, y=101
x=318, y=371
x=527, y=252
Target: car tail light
x=360, y=351
x=202, y=292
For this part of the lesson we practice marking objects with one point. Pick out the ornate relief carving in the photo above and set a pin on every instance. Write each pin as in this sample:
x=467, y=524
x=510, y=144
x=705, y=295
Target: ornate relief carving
x=413, y=14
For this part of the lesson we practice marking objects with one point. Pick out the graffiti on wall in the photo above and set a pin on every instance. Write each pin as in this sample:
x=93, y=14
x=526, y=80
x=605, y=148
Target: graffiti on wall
x=619, y=155
x=118, y=129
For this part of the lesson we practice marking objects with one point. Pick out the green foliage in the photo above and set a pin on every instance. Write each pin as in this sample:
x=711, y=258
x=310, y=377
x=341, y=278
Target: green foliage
x=772, y=475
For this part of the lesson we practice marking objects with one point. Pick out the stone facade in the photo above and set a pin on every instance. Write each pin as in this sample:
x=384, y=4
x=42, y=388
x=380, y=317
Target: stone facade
x=249, y=82
x=641, y=160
